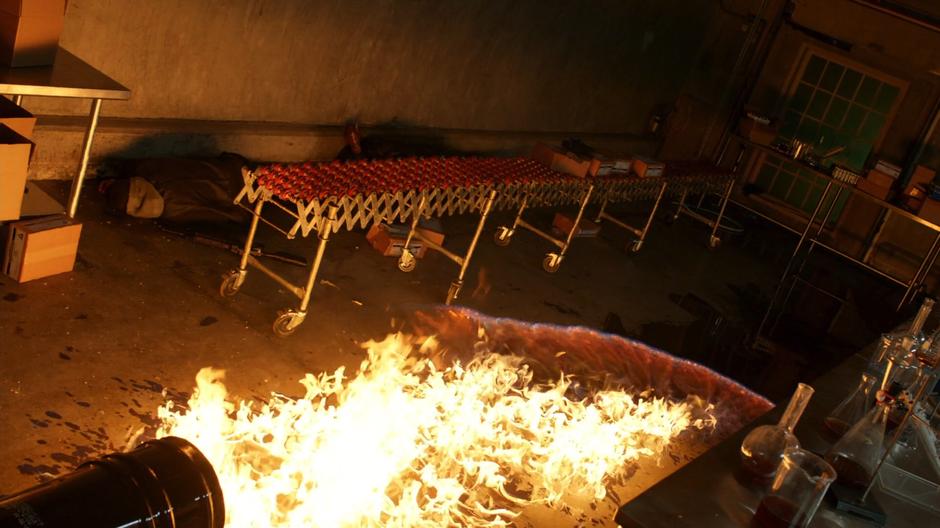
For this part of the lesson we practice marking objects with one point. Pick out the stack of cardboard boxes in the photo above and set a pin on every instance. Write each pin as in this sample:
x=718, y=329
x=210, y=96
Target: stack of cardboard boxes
x=39, y=246
x=879, y=181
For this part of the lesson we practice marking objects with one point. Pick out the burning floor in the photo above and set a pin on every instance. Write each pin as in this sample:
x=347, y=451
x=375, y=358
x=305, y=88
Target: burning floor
x=469, y=421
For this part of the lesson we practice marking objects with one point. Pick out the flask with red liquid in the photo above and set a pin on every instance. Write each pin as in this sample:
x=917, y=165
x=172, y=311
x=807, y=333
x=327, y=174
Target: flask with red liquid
x=764, y=446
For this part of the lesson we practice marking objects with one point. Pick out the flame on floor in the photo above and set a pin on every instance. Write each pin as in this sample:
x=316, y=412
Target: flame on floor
x=408, y=441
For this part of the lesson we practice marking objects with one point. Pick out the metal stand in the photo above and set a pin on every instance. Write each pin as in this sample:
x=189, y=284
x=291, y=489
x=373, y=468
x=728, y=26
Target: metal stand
x=407, y=261
x=552, y=260
x=289, y=319
x=86, y=155
x=713, y=239
x=639, y=233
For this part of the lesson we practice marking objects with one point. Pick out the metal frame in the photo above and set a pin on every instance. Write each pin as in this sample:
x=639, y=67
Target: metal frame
x=68, y=77
x=328, y=215
x=682, y=209
x=407, y=261
x=552, y=260
x=639, y=233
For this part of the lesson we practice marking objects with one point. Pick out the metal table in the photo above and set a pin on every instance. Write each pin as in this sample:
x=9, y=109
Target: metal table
x=707, y=493
x=71, y=77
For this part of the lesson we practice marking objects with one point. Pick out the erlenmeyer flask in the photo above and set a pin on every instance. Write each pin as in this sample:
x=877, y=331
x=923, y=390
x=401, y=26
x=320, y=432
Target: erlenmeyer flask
x=763, y=447
x=857, y=453
x=852, y=408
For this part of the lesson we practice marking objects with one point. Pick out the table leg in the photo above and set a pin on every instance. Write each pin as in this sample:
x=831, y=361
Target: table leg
x=457, y=284
x=796, y=251
x=18, y=100
x=86, y=154
x=922, y=272
x=713, y=239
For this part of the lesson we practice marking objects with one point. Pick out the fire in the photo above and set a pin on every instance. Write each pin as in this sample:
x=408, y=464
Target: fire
x=409, y=442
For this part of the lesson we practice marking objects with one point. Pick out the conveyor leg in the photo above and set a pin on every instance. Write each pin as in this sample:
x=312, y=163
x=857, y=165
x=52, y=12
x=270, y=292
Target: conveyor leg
x=682, y=196
x=600, y=214
x=457, y=284
x=504, y=234
x=234, y=279
x=407, y=260
x=713, y=240
x=638, y=243
x=552, y=260
x=289, y=320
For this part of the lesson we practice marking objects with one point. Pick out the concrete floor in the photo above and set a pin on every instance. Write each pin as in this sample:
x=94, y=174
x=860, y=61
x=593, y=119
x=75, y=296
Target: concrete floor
x=86, y=356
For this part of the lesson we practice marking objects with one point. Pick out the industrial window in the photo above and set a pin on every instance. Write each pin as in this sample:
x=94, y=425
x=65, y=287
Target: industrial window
x=831, y=105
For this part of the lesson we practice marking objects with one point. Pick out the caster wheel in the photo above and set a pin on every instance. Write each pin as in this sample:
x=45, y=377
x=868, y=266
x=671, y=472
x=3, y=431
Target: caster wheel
x=407, y=261
x=231, y=283
x=453, y=292
x=502, y=236
x=551, y=262
x=670, y=219
x=635, y=246
x=713, y=242
x=287, y=322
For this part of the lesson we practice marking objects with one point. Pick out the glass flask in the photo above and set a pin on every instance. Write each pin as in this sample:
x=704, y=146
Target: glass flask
x=858, y=452
x=852, y=408
x=764, y=446
x=902, y=347
x=797, y=490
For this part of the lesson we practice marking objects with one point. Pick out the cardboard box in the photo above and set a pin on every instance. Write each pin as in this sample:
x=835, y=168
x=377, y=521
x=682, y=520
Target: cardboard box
x=15, y=151
x=17, y=118
x=389, y=241
x=872, y=187
x=890, y=169
x=920, y=178
x=648, y=168
x=561, y=161
x=930, y=211
x=881, y=179
x=29, y=31
x=756, y=131
x=41, y=247
x=563, y=223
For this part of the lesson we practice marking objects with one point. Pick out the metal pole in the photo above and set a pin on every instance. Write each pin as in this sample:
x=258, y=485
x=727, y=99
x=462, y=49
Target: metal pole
x=799, y=245
x=458, y=284
x=86, y=154
x=325, y=229
x=577, y=220
x=923, y=270
x=713, y=238
x=243, y=265
x=18, y=100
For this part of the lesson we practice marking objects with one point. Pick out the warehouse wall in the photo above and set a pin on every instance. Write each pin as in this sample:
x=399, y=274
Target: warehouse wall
x=493, y=74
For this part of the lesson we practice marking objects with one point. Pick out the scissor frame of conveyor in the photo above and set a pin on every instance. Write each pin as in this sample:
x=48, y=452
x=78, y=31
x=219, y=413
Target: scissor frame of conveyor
x=328, y=213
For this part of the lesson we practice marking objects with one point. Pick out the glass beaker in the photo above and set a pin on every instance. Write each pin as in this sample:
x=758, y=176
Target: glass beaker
x=798, y=487
x=858, y=452
x=763, y=447
x=852, y=408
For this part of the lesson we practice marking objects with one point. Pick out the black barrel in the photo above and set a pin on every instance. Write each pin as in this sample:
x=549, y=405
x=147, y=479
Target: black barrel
x=164, y=483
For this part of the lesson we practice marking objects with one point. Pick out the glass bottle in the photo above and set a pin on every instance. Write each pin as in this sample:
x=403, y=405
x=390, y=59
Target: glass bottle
x=764, y=446
x=856, y=454
x=902, y=347
x=852, y=408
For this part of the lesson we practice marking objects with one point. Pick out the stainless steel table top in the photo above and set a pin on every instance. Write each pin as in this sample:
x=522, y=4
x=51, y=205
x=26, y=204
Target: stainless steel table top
x=706, y=493
x=68, y=76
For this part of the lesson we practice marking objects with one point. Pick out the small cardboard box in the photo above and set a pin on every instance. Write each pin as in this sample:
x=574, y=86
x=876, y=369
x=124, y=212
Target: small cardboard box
x=756, y=131
x=17, y=118
x=29, y=31
x=14, y=165
x=563, y=224
x=873, y=187
x=561, y=161
x=930, y=211
x=881, y=179
x=389, y=241
x=887, y=168
x=921, y=177
x=648, y=168
x=41, y=247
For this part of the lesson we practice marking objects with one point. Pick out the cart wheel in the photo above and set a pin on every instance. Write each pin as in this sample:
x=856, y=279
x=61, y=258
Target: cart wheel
x=230, y=283
x=635, y=246
x=713, y=242
x=551, y=262
x=502, y=236
x=407, y=261
x=287, y=322
x=453, y=292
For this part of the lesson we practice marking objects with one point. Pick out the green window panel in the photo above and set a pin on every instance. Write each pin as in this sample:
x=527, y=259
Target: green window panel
x=853, y=119
x=849, y=85
x=818, y=105
x=831, y=76
x=800, y=98
x=765, y=177
x=836, y=113
x=867, y=90
x=886, y=97
x=814, y=69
